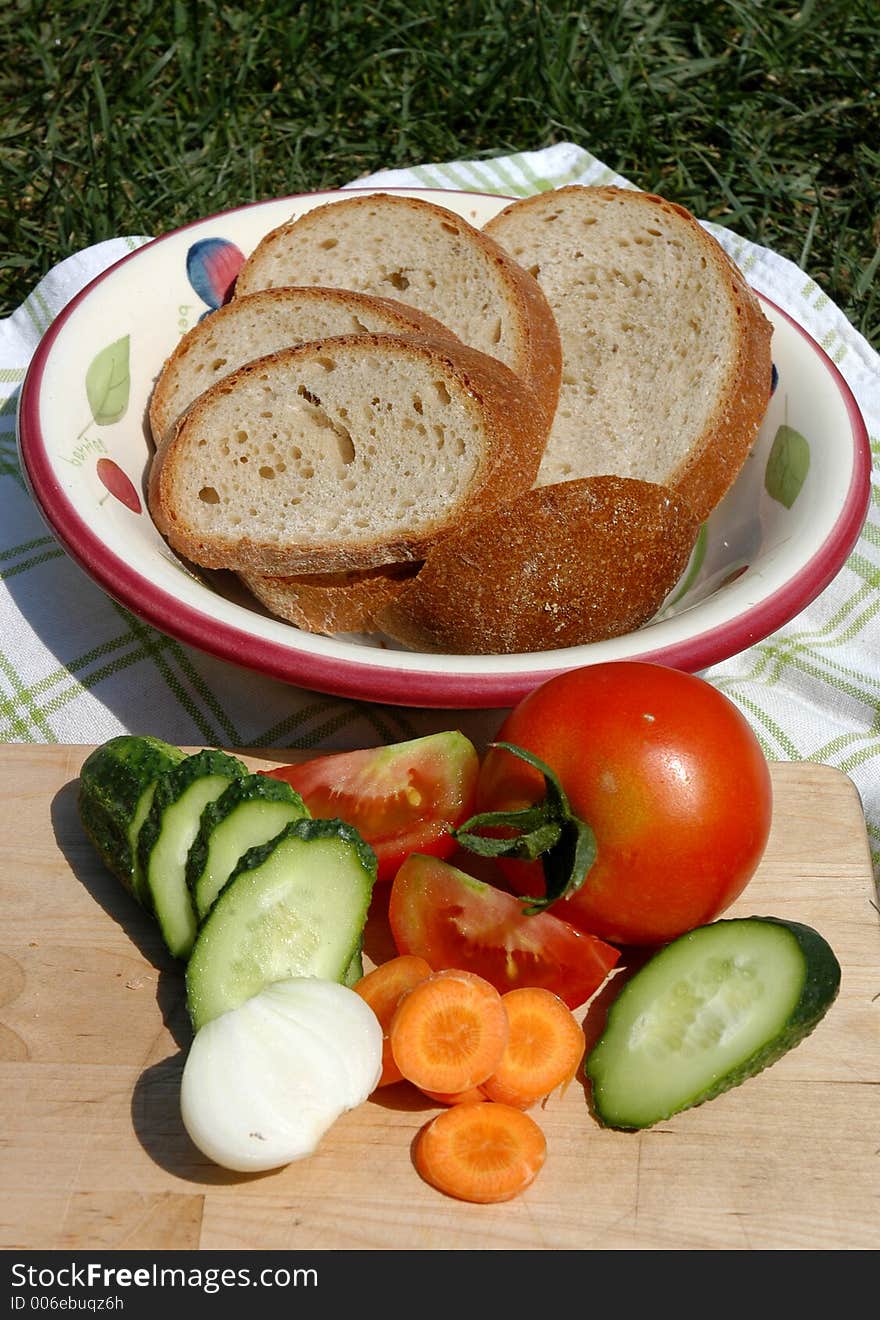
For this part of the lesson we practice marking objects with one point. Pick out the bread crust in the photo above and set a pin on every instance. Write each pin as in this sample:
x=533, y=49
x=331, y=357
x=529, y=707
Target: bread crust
x=713, y=464
x=336, y=305
x=538, y=355
x=563, y=565
x=705, y=473
x=331, y=602
x=491, y=395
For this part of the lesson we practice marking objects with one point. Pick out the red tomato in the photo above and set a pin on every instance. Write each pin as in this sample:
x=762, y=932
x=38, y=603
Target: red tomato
x=453, y=920
x=403, y=798
x=668, y=774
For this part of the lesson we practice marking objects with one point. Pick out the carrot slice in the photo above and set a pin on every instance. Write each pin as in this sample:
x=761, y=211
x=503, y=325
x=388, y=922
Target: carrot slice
x=449, y=1031
x=383, y=989
x=474, y=1095
x=544, y=1048
x=480, y=1152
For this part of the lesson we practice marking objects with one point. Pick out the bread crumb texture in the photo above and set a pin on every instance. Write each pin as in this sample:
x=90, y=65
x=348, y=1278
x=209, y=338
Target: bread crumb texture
x=666, y=354
x=401, y=248
x=264, y=322
x=347, y=453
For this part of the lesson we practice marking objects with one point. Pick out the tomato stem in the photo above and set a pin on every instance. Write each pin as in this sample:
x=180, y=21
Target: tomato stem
x=549, y=830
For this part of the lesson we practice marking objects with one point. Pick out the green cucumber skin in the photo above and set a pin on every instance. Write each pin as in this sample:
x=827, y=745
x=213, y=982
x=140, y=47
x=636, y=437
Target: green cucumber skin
x=170, y=787
x=202, y=969
x=112, y=782
x=817, y=992
x=174, y=782
x=241, y=791
x=307, y=828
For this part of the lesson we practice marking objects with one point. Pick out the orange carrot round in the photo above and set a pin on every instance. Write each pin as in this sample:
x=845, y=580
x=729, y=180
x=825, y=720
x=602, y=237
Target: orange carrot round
x=474, y=1095
x=383, y=989
x=480, y=1152
x=449, y=1032
x=544, y=1048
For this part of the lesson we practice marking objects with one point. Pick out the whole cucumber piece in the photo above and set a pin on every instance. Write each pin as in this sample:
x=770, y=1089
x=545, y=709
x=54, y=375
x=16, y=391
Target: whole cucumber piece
x=711, y=1009
x=116, y=786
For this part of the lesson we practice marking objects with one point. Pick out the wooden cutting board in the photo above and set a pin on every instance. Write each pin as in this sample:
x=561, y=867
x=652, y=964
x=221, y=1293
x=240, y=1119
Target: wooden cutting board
x=93, y=1035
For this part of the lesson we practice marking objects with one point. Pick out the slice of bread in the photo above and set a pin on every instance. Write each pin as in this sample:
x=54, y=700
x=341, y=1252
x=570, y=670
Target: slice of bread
x=261, y=323
x=561, y=565
x=331, y=602
x=428, y=257
x=346, y=453
x=666, y=352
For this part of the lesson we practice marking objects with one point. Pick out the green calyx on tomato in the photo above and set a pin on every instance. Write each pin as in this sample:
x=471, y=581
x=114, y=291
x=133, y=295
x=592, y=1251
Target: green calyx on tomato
x=548, y=829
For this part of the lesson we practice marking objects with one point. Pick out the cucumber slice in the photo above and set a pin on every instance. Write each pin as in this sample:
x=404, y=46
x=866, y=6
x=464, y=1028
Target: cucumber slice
x=355, y=969
x=708, y=1011
x=116, y=785
x=249, y=811
x=166, y=836
x=295, y=906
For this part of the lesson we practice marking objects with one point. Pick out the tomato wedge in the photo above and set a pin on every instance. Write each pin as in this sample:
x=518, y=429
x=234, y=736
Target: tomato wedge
x=451, y=919
x=402, y=798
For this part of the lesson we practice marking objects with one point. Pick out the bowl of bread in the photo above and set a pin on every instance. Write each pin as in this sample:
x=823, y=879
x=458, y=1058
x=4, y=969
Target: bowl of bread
x=430, y=448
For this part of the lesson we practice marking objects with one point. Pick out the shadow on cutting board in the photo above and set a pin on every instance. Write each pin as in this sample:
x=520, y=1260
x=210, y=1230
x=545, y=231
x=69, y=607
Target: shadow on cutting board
x=122, y=909
x=155, y=1101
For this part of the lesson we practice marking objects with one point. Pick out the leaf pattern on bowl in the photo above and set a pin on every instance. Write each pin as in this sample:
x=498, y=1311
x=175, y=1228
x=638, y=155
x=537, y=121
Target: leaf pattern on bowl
x=108, y=382
x=787, y=465
x=118, y=483
x=733, y=575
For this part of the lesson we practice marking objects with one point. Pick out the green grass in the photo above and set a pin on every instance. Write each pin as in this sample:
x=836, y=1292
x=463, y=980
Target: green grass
x=137, y=117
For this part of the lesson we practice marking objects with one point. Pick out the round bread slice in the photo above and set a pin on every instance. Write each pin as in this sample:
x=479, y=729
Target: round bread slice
x=430, y=258
x=261, y=323
x=331, y=602
x=560, y=566
x=666, y=352
x=346, y=453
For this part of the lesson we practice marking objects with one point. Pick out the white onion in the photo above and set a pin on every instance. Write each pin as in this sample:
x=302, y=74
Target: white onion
x=263, y=1082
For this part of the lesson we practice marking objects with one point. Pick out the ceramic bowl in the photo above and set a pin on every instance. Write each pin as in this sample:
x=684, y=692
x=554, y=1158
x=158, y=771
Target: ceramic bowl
x=776, y=540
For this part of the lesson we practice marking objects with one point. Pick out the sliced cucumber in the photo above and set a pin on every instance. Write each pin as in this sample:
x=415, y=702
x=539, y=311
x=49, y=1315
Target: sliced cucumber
x=116, y=785
x=355, y=969
x=249, y=811
x=167, y=833
x=295, y=906
x=707, y=1012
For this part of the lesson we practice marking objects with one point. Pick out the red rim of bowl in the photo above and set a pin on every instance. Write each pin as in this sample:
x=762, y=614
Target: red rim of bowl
x=358, y=679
